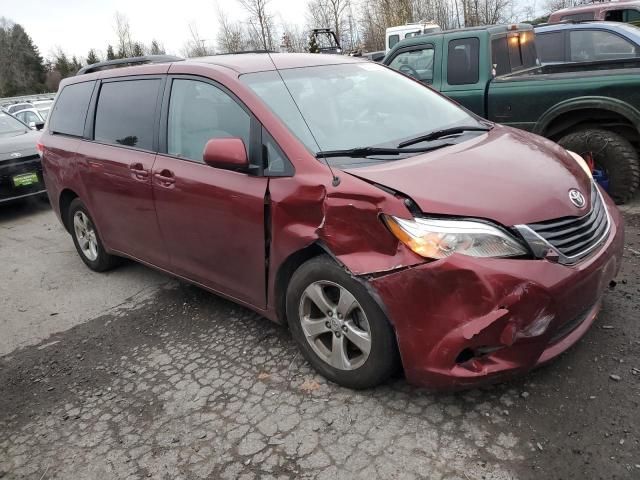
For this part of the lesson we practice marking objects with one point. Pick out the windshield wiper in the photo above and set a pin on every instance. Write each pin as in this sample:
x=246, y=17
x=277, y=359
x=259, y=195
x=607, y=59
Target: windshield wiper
x=443, y=133
x=367, y=151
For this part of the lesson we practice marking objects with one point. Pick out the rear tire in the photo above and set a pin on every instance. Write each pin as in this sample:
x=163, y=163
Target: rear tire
x=86, y=239
x=614, y=154
x=349, y=340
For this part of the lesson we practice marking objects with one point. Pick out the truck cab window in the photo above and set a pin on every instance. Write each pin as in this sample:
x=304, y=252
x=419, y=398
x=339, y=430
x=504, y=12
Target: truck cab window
x=463, y=63
x=415, y=63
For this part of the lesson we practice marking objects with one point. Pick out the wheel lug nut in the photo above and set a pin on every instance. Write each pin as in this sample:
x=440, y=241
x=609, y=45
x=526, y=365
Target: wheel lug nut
x=330, y=313
x=338, y=334
x=339, y=315
x=327, y=324
x=344, y=328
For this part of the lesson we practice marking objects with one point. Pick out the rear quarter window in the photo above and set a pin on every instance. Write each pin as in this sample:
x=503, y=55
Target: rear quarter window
x=70, y=110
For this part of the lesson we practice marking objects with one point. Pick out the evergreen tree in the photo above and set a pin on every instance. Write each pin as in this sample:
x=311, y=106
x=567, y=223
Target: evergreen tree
x=22, y=70
x=75, y=66
x=62, y=65
x=110, y=54
x=92, y=57
x=137, y=50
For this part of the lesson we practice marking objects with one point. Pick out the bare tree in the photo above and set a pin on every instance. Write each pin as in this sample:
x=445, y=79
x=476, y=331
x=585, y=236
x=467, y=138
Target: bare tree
x=123, y=31
x=551, y=6
x=156, y=48
x=333, y=14
x=294, y=38
x=232, y=36
x=260, y=22
x=196, y=46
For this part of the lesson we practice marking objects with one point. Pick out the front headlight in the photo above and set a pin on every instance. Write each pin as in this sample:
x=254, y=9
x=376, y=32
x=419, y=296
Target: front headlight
x=582, y=162
x=433, y=238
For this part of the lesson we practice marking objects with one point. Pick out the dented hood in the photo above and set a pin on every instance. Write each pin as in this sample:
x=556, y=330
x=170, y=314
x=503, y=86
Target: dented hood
x=506, y=175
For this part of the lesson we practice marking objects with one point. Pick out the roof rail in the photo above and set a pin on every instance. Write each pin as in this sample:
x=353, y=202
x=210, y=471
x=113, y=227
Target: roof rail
x=95, y=67
x=246, y=51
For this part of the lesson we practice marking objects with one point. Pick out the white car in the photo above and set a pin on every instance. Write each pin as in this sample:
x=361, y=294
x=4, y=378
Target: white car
x=395, y=34
x=30, y=116
x=43, y=107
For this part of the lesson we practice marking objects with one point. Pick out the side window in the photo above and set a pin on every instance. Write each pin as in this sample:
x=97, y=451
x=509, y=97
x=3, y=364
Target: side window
x=412, y=34
x=416, y=63
x=579, y=17
x=125, y=114
x=614, y=16
x=590, y=45
x=70, y=110
x=30, y=117
x=276, y=164
x=632, y=16
x=198, y=112
x=393, y=39
x=550, y=47
x=500, y=56
x=463, y=62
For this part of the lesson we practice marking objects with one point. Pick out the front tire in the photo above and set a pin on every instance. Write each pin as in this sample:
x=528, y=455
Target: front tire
x=611, y=152
x=339, y=327
x=86, y=239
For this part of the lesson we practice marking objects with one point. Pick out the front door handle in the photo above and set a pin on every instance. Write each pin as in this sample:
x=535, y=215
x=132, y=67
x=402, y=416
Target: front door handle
x=138, y=171
x=165, y=178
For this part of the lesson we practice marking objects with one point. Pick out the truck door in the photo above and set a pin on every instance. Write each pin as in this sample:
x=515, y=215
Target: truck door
x=420, y=62
x=463, y=80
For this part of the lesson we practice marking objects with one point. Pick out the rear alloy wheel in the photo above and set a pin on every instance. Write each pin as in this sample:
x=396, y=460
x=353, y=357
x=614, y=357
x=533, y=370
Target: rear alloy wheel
x=86, y=239
x=340, y=329
x=614, y=157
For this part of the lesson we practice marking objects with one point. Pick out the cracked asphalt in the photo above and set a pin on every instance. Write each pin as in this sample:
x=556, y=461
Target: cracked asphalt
x=135, y=375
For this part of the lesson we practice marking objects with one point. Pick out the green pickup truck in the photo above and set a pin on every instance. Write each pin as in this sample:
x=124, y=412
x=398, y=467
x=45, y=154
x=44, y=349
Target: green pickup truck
x=591, y=108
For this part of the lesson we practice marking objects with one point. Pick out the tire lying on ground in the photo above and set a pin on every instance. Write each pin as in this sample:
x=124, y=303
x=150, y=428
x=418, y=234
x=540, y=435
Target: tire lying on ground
x=611, y=152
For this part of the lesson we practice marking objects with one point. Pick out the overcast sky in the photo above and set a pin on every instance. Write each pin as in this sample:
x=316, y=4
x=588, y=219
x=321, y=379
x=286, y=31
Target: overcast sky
x=78, y=25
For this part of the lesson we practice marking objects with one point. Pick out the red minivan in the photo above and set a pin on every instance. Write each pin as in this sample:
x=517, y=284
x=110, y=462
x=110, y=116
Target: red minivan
x=383, y=223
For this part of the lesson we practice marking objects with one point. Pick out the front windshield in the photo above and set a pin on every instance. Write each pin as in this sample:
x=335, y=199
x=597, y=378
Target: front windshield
x=10, y=126
x=354, y=105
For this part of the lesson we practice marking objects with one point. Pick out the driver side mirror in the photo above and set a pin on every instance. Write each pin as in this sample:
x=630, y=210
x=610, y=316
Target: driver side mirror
x=227, y=153
x=36, y=125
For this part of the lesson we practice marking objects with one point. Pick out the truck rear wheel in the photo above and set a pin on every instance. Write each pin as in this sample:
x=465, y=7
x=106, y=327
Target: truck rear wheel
x=613, y=154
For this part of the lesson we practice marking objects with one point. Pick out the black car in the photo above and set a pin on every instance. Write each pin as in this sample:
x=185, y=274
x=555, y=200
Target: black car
x=20, y=167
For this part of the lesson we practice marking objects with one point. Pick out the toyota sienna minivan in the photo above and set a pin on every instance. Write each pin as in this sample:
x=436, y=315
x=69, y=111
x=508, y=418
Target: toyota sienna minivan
x=384, y=224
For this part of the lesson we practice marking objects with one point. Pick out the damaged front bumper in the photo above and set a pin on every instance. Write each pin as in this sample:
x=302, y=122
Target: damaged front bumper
x=465, y=321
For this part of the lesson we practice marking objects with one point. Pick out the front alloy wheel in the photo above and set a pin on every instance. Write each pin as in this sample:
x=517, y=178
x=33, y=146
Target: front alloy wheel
x=339, y=327
x=335, y=325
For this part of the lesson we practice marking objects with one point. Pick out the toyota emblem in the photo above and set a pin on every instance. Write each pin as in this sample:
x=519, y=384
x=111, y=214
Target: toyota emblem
x=15, y=155
x=576, y=198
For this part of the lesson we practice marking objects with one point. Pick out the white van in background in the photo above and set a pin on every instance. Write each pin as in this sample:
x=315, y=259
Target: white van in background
x=395, y=34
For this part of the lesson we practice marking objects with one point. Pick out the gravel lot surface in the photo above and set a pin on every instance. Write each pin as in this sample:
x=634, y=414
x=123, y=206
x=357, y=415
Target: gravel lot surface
x=131, y=374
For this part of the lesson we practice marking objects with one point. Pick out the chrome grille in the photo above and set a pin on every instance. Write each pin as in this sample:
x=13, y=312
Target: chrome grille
x=574, y=237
